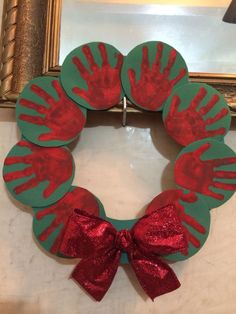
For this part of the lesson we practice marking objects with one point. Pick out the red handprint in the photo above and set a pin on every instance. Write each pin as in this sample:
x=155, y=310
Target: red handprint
x=54, y=165
x=154, y=86
x=174, y=197
x=104, y=84
x=63, y=117
x=195, y=174
x=190, y=125
x=62, y=210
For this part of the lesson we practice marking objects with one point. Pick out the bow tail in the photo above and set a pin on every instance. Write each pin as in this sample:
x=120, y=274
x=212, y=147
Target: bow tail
x=155, y=276
x=96, y=274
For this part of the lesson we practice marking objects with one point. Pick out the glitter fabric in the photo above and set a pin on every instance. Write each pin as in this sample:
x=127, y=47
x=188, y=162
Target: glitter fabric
x=100, y=245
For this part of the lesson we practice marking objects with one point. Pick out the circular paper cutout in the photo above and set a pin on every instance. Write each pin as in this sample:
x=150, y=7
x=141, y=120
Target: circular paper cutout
x=49, y=223
x=45, y=114
x=38, y=176
x=90, y=75
x=150, y=72
x=194, y=214
x=196, y=111
x=208, y=168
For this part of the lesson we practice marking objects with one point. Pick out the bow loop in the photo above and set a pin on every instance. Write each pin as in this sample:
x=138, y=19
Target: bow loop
x=87, y=235
x=160, y=232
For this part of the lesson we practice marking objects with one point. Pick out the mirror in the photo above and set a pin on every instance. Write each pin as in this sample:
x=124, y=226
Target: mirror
x=194, y=28
x=52, y=28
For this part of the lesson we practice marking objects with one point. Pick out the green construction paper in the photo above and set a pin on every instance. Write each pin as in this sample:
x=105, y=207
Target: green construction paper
x=40, y=225
x=32, y=131
x=33, y=196
x=70, y=76
x=134, y=58
x=216, y=151
x=187, y=92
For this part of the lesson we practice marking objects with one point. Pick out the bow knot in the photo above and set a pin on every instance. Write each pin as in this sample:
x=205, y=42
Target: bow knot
x=124, y=241
x=100, y=246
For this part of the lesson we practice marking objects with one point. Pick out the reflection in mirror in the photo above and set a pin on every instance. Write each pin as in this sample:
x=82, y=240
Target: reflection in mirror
x=198, y=32
x=230, y=15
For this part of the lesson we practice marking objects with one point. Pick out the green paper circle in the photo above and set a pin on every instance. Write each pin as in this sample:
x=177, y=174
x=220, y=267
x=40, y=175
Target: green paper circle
x=197, y=209
x=217, y=150
x=40, y=225
x=187, y=128
x=33, y=196
x=32, y=131
x=71, y=77
x=134, y=60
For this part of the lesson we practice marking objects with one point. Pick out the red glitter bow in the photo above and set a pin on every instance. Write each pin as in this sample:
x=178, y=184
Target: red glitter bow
x=100, y=245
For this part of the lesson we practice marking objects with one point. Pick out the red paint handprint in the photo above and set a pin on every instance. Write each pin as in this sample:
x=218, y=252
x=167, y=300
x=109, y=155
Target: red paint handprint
x=63, y=117
x=195, y=174
x=104, y=84
x=62, y=210
x=174, y=197
x=190, y=124
x=54, y=165
x=154, y=87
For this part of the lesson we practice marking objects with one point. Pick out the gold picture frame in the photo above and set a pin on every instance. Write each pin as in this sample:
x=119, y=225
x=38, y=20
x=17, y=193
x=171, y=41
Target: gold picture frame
x=30, y=45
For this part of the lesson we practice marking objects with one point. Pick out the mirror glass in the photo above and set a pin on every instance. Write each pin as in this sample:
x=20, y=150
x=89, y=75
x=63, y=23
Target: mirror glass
x=194, y=28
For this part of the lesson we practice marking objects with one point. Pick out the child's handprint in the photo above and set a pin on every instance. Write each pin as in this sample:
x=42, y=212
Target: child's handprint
x=62, y=210
x=103, y=83
x=54, y=165
x=190, y=124
x=154, y=85
x=63, y=117
x=195, y=174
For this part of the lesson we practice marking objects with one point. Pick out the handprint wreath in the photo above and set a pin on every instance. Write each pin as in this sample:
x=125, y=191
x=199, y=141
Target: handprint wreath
x=67, y=220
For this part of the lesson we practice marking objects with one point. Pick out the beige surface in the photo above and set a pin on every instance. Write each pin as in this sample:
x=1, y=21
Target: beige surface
x=125, y=168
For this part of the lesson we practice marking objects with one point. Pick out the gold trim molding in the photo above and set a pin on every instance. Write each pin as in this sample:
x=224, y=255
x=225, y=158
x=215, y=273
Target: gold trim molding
x=22, y=45
x=30, y=46
x=8, y=47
